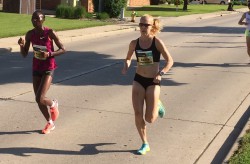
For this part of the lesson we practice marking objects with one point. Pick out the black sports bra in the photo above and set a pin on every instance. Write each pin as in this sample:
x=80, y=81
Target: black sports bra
x=147, y=56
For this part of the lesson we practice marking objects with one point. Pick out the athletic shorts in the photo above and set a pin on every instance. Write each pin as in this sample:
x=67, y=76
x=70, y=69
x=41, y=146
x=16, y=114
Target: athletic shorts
x=42, y=73
x=247, y=32
x=144, y=81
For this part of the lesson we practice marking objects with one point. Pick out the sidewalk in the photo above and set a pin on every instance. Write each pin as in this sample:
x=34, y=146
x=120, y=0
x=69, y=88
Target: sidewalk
x=10, y=44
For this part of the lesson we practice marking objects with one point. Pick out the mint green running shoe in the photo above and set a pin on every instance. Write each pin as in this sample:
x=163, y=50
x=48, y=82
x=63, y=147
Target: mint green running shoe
x=144, y=149
x=162, y=109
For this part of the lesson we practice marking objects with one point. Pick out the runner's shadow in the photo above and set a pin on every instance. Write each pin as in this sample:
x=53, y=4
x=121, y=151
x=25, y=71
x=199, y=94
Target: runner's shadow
x=20, y=132
x=88, y=149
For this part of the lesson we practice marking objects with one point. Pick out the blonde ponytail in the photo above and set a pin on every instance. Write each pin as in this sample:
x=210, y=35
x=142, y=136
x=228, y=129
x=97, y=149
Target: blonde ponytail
x=156, y=25
x=156, y=28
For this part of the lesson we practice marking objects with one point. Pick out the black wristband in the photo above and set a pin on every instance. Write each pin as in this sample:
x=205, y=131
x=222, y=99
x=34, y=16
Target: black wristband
x=161, y=73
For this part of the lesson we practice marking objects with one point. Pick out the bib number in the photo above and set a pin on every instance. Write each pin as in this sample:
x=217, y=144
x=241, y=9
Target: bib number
x=38, y=51
x=145, y=58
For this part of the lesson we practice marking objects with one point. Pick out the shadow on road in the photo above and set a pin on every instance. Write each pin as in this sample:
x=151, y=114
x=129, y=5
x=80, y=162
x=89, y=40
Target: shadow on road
x=214, y=45
x=91, y=67
x=20, y=132
x=85, y=68
x=211, y=46
x=88, y=149
x=205, y=29
x=195, y=65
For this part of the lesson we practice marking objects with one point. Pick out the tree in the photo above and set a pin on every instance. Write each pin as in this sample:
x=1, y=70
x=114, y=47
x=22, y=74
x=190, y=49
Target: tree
x=230, y=6
x=113, y=7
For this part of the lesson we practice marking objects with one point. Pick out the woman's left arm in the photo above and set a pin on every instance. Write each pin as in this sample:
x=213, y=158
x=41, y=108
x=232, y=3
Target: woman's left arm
x=166, y=55
x=59, y=44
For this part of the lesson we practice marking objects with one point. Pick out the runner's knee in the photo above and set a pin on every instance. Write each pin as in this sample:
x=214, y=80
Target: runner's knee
x=150, y=118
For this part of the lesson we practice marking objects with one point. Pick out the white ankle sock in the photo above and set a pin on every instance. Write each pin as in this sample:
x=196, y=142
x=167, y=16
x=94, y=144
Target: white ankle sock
x=53, y=104
x=51, y=122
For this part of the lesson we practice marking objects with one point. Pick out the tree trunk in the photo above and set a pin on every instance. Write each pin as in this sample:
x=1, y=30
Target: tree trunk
x=185, y=5
x=230, y=7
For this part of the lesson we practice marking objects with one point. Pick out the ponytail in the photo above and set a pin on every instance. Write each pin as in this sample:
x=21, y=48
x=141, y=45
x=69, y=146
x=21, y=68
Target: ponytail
x=156, y=28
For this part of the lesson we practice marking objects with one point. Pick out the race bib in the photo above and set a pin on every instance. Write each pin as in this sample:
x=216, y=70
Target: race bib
x=38, y=51
x=145, y=58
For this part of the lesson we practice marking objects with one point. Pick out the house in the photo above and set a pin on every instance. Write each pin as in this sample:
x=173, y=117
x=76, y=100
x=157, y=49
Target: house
x=19, y=6
x=136, y=3
x=29, y=6
x=1, y=4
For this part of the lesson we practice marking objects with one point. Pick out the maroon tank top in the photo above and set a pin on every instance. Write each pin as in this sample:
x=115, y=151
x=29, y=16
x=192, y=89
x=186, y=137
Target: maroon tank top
x=43, y=43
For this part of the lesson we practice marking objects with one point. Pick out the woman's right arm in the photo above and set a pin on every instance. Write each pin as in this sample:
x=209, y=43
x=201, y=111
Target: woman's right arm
x=24, y=44
x=129, y=56
x=241, y=20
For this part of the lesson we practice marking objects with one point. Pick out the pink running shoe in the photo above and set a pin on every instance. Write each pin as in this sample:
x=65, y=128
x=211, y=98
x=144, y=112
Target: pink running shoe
x=48, y=128
x=54, y=112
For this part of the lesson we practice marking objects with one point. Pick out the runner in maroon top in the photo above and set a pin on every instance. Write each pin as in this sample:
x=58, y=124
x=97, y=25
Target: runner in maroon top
x=44, y=64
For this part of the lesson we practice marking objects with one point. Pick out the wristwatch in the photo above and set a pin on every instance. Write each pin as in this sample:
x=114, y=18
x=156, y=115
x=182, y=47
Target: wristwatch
x=161, y=73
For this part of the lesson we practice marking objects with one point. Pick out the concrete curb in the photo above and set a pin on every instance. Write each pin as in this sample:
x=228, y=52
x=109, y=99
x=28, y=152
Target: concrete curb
x=94, y=35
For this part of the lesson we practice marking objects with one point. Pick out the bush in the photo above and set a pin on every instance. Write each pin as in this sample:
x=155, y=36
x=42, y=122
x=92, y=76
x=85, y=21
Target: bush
x=175, y=2
x=113, y=7
x=79, y=12
x=162, y=1
x=69, y=12
x=88, y=15
x=65, y=11
x=60, y=11
x=240, y=2
x=102, y=16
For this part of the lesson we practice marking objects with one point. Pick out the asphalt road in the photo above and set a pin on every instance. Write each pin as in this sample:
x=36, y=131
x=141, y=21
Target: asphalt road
x=206, y=94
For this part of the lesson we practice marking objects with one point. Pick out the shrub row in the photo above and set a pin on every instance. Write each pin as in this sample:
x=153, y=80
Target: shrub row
x=175, y=2
x=102, y=16
x=240, y=2
x=111, y=7
x=65, y=11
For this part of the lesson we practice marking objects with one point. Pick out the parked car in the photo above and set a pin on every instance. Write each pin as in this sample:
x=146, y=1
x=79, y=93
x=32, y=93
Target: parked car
x=195, y=2
x=221, y=2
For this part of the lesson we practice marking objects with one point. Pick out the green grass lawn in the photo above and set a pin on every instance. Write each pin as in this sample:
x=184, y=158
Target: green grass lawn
x=18, y=24
x=242, y=155
x=170, y=10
